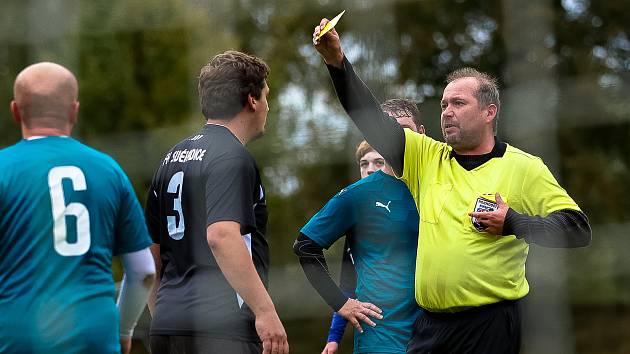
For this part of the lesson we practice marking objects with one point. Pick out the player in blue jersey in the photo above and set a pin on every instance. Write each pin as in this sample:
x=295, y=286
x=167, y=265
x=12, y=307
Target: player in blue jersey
x=66, y=209
x=380, y=220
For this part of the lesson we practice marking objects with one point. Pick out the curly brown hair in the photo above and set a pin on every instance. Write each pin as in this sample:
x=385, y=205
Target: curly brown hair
x=226, y=82
x=397, y=107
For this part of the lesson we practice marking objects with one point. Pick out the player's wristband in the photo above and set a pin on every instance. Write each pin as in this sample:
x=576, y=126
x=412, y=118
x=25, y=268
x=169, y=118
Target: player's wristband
x=337, y=327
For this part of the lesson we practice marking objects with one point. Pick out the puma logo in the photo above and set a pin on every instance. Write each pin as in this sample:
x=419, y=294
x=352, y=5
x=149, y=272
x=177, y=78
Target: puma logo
x=379, y=204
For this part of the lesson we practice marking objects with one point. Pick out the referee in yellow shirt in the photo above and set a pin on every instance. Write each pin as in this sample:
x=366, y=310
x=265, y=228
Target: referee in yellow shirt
x=481, y=203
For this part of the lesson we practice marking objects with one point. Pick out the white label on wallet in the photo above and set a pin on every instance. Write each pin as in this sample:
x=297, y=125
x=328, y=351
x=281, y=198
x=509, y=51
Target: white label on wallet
x=483, y=205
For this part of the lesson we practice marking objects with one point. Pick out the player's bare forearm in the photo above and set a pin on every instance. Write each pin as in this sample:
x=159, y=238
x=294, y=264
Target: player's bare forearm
x=228, y=248
x=330, y=348
x=230, y=252
x=155, y=252
x=125, y=345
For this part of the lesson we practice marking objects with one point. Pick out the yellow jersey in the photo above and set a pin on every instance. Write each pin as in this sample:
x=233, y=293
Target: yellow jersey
x=458, y=266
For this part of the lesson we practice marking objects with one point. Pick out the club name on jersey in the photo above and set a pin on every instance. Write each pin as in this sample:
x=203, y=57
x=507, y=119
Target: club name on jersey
x=184, y=156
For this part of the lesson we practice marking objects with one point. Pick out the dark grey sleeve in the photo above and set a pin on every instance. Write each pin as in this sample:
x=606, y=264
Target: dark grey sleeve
x=384, y=134
x=565, y=228
x=313, y=263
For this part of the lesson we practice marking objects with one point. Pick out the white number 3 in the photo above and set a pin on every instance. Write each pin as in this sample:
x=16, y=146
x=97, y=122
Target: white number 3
x=60, y=210
x=175, y=185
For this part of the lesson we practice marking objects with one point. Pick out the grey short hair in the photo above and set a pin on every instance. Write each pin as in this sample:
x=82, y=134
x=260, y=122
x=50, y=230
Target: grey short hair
x=487, y=88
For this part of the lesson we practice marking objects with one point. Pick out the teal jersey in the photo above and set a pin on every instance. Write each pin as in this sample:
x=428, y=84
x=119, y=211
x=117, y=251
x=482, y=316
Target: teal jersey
x=379, y=217
x=65, y=210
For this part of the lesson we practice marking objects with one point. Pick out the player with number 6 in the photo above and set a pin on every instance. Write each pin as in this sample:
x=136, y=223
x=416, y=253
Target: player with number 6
x=66, y=209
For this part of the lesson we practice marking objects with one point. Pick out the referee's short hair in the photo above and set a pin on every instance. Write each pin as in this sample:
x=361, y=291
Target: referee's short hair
x=487, y=88
x=227, y=80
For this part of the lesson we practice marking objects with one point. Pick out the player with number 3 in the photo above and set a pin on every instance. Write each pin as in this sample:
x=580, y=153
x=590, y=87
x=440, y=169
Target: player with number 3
x=207, y=215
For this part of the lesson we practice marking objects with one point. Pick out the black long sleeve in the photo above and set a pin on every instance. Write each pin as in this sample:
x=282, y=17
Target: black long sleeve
x=565, y=228
x=381, y=132
x=313, y=263
x=348, y=277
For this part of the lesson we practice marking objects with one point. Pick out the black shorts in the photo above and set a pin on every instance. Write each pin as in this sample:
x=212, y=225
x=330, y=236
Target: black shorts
x=201, y=345
x=488, y=329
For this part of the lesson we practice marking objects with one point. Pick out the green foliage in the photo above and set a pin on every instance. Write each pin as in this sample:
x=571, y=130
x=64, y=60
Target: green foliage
x=134, y=79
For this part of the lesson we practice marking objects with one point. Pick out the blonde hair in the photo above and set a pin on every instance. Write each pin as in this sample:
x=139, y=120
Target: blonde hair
x=362, y=149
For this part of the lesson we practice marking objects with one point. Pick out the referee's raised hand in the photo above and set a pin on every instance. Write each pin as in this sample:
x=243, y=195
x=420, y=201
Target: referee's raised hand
x=355, y=311
x=329, y=45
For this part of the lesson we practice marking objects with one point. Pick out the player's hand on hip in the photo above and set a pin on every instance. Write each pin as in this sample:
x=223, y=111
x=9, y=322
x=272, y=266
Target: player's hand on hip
x=329, y=45
x=125, y=345
x=493, y=220
x=272, y=333
x=330, y=348
x=356, y=311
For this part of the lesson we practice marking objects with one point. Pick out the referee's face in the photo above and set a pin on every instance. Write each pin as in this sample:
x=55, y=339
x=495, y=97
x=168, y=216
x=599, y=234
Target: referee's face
x=462, y=118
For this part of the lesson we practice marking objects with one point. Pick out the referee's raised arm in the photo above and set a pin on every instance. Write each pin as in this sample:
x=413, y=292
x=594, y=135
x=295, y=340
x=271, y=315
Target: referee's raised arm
x=380, y=131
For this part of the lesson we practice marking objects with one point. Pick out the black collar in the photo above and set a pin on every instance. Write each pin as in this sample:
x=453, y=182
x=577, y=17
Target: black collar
x=470, y=162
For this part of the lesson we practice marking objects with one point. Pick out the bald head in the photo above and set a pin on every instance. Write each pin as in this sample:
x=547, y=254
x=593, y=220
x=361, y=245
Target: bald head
x=45, y=96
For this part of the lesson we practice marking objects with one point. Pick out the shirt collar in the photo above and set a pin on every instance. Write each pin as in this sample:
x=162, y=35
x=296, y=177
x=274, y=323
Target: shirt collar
x=35, y=137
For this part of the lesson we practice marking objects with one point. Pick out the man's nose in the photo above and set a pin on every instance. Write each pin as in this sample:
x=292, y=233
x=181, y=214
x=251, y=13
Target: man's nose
x=447, y=112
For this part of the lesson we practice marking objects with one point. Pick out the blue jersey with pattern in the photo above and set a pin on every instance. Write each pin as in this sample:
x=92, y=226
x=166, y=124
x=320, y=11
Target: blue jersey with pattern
x=380, y=219
x=65, y=210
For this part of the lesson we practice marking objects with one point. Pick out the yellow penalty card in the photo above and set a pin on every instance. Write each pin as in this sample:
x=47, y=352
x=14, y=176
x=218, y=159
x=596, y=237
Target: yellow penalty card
x=330, y=25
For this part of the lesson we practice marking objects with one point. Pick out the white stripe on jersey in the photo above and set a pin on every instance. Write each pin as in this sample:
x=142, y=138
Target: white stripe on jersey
x=248, y=242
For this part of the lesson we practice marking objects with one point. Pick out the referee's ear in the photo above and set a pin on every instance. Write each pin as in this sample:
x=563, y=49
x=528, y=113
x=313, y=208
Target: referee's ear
x=491, y=112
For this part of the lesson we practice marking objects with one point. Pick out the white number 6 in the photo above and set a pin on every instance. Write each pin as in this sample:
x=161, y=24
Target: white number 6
x=60, y=210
